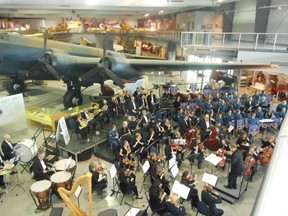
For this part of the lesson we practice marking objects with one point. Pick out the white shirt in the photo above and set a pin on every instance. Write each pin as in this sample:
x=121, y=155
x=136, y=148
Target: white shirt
x=43, y=164
x=134, y=105
x=207, y=124
x=152, y=99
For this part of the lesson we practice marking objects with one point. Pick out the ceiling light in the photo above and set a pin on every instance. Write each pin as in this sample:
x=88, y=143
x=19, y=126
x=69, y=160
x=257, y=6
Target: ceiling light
x=146, y=15
x=160, y=12
x=279, y=8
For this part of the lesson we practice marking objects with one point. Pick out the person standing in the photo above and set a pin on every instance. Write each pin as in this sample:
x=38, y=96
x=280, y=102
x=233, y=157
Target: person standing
x=211, y=198
x=237, y=167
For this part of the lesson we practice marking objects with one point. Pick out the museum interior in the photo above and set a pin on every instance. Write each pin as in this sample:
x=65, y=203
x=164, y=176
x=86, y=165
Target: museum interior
x=141, y=107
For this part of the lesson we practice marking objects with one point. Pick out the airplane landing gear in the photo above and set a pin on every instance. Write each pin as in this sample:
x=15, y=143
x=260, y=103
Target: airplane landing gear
x=72, y=98
x=15, y=86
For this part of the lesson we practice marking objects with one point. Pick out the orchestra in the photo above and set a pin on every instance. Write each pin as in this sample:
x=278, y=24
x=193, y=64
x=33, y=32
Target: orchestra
x=203, y=123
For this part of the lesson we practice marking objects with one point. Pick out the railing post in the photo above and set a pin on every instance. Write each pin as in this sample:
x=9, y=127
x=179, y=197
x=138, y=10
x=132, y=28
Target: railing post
x=274, y=44
x=239, y=41
x=223, y=40
x=208, y=40
x=256, y=42
x=181, y=38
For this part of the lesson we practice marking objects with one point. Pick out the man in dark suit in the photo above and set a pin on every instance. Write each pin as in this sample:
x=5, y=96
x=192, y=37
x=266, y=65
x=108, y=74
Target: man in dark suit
x=132, y=106
x=7, y=147
x=41, y=169
x=151, y=100
x=184, y=124
x=211, y=199
x=237, y=167
x=204, y=125
x=171, y=207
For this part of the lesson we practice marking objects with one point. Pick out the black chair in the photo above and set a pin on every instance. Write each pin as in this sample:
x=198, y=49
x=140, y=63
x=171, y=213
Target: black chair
x=157, y=210
x=203, y=208
x=123, y=192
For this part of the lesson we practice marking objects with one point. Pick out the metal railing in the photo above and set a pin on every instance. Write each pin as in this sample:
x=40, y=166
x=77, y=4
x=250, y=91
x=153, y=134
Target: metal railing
x=224, y=40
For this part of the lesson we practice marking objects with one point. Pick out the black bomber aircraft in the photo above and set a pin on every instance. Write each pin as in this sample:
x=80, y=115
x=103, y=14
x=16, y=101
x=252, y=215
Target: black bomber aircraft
x=23, y=58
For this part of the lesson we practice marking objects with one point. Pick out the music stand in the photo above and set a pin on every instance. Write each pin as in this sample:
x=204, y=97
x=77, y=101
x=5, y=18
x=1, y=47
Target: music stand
x=133, y=212
x=180, y=189
x=145, y=168
x=113, y=173
x=18, y=183
x=213, y=159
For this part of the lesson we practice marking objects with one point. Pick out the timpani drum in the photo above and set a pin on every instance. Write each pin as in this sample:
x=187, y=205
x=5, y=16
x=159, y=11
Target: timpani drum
x=27, y=148
x=61, y=179
x=61, y=165
x=41, y=192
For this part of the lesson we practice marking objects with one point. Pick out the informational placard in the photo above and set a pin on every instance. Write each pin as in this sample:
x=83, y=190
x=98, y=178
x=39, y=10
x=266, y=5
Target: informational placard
x=209, y=179
x=12, y=113
x=180, y=189
x=62, y=129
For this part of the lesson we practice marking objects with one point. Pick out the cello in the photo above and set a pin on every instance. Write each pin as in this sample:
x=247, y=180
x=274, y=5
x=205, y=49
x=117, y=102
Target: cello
x=266, y=155
x=212, y=142
x=191, y=136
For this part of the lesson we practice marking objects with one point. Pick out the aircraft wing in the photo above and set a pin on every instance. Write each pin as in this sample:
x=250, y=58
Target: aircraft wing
x=167, y=66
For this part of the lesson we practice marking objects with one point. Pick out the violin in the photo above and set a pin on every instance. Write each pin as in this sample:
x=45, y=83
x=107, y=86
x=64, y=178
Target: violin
x=128, y=162
x=159, y=158
x=100, y=169
x=177, y=147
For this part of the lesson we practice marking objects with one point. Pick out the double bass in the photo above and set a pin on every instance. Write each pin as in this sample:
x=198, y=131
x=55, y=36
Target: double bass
x=191, y=137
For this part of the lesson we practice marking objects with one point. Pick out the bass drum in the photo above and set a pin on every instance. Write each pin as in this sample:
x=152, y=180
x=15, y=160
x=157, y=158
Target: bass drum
x=27, y=149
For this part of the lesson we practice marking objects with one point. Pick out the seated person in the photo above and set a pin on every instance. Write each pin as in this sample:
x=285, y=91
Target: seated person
x=113, y=137
x=127, y=182
x=82, y=126
x=40, y=168
x=157, y=197
x=99, y=179
x=197, y=153
x=189, y=180
x=7, y=147
x=211, y=198
x=171, y=207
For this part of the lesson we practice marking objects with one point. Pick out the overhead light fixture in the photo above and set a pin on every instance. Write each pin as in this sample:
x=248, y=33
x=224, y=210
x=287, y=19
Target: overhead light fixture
x=160, y=12
x=279, y=8
x=146, y=15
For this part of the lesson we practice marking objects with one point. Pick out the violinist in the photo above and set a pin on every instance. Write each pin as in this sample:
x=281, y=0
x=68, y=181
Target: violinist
x=128, y=163
x=170, y=152
x=99, y=179
x=127, y=182
x=189, y=180
x=197, y=153
x=160, y=176
x=152, y=139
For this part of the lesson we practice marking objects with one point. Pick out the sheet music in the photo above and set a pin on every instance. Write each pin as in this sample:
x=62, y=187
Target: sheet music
x=230, y=128
x=174, y=170
x=209, y=179
x=266, y=120
x=78, y=191
x=145, y=166
x=212, y=158
x=113, y=171
x=172, y=161
x=132, y=212
x=180, y=189
x=180, y=141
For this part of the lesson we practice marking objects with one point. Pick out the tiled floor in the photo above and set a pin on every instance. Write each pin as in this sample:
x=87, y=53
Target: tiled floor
x=19, y=202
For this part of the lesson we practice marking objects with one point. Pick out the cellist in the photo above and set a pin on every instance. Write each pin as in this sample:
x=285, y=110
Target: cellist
x=266, y=152
x=250, y=163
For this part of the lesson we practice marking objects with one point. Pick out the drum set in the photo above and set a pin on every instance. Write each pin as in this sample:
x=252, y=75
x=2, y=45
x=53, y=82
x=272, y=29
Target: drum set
x=41, y=191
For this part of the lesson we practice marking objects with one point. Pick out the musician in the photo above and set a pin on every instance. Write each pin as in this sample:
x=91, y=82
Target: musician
x=177, y=103
x=41, y=169
x=281, y=114
x=184, y=124
x=158, y=174
x=243, y=143
x=189, y=180
x=259, y=113
x=168, y=128
x=99, y=179
x=159, y=130
x=151, y=100
x=113, y=137
x=2, y=160
x=197, y=153
x=144, y=120
x=170, y=206
x=263, y=102
x=125, y=131
x=225, y=97
x=132, y=106
x=137, y=94
x=169, y=152
x=253, y=120
x=219, y=118
x=238, y=115
x=266, y=150
x=157, y=197
x=143, y=101
x=282, y=105
x=85, y=114
x=138, y=146
x=132, y=124
x=204, y=125
x=237, y=167
x=125, y=150
x=81, y=124
x=249, y=104
x=198, y=100
x=256, y=98
x=7, y=147
x=229, y=119
x=127, y=182
x=211, y=198
x=152, y=138
x=269, y=142
x=238, y=104
x=223, y=106
x=216, y=98
x=180, y=115
x=270, y=113
x=251, y=161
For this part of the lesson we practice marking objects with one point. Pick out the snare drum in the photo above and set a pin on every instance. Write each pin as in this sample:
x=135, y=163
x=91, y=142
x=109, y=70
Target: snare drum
x=61, y=179
x=27, y=148
x=41, y=191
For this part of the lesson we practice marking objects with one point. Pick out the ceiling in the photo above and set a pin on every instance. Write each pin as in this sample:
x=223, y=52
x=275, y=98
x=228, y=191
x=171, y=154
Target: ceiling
x=134, y=9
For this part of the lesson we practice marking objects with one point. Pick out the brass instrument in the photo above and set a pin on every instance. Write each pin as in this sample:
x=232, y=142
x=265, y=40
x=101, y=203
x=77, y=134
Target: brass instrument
x=83, y=123
x=65, y=194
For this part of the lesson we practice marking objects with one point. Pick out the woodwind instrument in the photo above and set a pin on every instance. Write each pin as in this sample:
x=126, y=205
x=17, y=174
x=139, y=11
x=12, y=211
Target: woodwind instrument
x=73, y=207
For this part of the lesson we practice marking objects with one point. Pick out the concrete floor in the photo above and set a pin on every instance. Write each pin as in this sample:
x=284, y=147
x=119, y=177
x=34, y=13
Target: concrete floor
x=19, y=201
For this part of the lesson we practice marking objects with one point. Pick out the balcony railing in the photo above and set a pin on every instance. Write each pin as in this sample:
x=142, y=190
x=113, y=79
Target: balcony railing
x=238, y=41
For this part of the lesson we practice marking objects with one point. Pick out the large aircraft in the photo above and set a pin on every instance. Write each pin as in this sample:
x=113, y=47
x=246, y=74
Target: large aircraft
x=30, y=58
